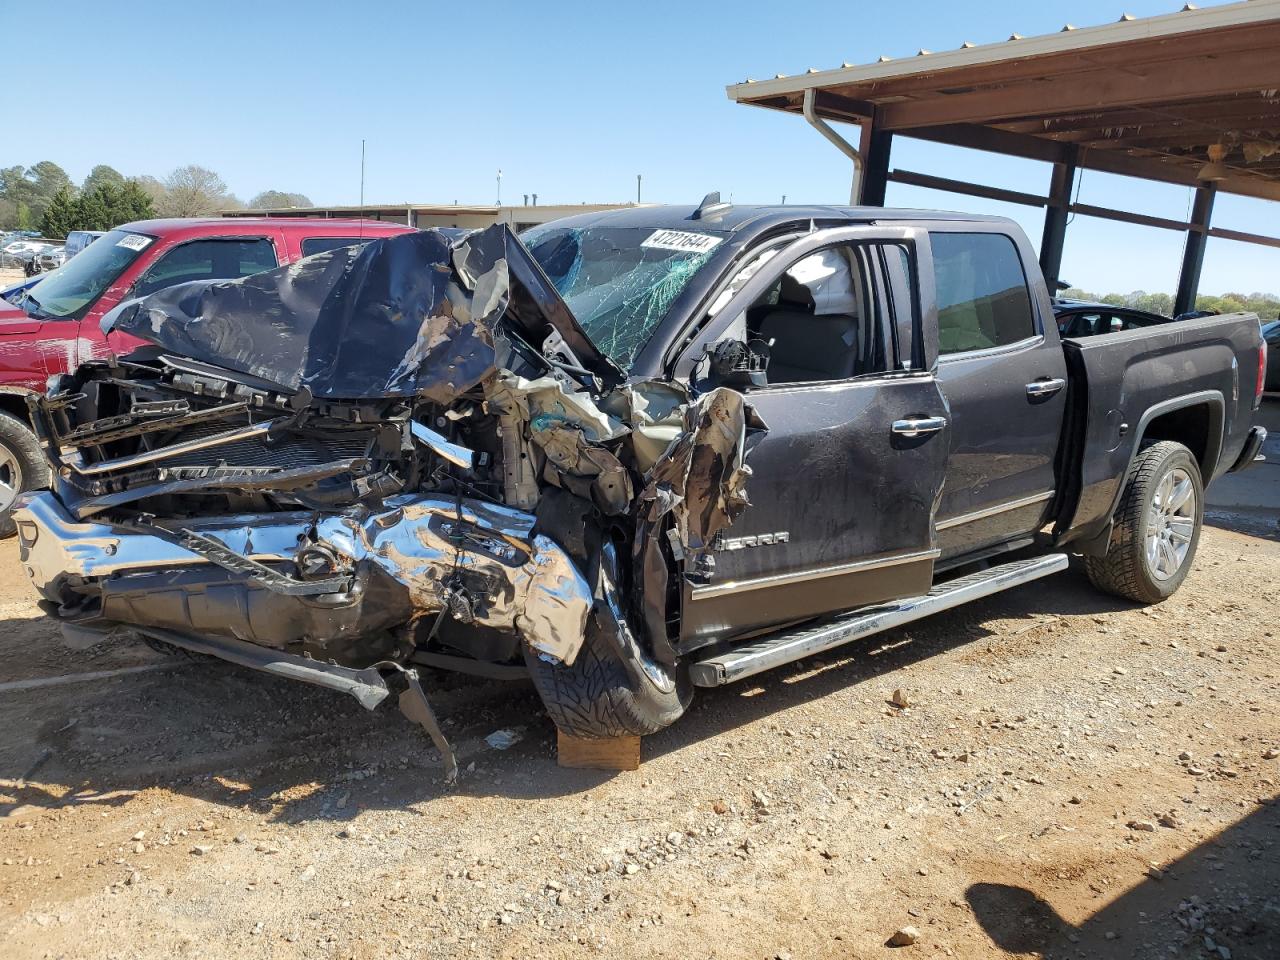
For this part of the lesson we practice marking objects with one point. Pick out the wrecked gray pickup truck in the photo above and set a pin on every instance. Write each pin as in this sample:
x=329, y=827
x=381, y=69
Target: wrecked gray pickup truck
x=498, y=456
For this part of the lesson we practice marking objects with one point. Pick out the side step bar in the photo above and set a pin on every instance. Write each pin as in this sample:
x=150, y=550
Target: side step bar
x=773, y=650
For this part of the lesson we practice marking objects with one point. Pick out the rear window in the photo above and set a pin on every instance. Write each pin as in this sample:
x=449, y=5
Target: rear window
x=982, y=292
x=213, y=259
x=312, y=245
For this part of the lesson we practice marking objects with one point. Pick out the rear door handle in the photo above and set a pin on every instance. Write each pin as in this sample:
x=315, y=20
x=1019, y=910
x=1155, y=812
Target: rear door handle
x=916, y=426
x=1045, y=388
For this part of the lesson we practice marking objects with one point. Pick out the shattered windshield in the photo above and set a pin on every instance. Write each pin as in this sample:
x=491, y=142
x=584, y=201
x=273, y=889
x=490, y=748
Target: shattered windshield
x=620, y=281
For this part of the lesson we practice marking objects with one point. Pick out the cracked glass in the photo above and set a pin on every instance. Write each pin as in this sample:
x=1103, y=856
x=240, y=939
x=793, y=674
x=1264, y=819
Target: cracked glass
x=620, y=281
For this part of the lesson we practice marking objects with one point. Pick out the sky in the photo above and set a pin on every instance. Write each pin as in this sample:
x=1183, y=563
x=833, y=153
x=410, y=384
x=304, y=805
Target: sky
x=571, y=100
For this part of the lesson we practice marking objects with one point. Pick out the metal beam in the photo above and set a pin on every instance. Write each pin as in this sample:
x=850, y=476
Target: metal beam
x=968, y=189
x=1124, y=216
x=1010, y=143
x=1193, y=252
x=1054, y=237
x=876, y=145
x=1243, y=237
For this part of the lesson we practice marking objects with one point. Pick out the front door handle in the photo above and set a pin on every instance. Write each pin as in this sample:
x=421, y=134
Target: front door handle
x=1038, y=389
x=916, y=426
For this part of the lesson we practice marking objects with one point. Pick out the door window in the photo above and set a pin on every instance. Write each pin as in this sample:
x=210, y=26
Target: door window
x=983, y=301
x=825, y=318
x=312, y=245
x=214, y=259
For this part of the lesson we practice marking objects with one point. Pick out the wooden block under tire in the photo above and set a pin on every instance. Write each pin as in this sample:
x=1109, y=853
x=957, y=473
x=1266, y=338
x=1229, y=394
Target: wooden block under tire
x=614, y=753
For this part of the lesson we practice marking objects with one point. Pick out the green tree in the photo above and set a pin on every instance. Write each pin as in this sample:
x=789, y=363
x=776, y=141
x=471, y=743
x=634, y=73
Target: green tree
x=95, y=209
x=47, y=178
x=25, y=220
x=102, y=174
x=152, y=187
x=276, y=199
x=61, y=216
x=134, y=204
x=15, y=187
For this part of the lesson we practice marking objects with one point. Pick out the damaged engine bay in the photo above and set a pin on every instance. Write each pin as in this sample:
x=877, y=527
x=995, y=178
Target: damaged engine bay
x=406, y=453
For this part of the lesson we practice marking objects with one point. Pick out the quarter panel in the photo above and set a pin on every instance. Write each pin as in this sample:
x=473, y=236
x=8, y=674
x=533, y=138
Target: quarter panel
x=1135, y=375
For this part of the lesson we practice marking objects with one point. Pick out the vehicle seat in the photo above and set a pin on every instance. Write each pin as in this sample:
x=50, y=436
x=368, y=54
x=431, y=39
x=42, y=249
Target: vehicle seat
x=807, y=347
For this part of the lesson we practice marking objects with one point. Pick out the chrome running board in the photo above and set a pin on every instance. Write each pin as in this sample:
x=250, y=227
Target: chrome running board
x=776, y=649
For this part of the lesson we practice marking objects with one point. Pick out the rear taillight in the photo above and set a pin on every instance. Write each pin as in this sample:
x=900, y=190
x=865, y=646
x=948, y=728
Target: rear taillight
x=1262, y=373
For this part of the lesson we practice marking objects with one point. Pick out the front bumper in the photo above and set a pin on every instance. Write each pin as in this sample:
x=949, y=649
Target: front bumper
x=236, y=575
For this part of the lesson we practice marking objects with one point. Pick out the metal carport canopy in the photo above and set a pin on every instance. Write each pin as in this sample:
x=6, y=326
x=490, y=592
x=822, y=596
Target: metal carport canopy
x=1140, y=97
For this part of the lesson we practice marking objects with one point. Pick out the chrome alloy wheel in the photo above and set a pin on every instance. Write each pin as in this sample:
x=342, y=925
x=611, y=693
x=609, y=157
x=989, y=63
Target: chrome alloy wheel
x=10, y=478
x=1171, y=523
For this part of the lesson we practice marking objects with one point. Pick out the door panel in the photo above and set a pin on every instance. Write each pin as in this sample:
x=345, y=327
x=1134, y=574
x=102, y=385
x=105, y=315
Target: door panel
x=1004, y=437
x=1005, y=378
x=842, y=507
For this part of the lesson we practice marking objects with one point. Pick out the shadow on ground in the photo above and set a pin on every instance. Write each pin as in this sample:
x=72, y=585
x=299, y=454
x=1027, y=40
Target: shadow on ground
x=1222, y=893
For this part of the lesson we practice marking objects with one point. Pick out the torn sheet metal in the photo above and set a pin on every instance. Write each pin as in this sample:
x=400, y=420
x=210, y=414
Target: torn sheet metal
x=571, y=431
x=702, y=476
x=411, y=315
x=482, y=562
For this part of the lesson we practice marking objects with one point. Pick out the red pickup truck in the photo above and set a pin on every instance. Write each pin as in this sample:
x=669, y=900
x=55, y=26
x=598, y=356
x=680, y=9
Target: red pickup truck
x=52, y=325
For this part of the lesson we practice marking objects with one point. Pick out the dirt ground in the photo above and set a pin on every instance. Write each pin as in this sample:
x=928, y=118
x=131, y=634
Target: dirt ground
x=10, y=276
x=1074, y=777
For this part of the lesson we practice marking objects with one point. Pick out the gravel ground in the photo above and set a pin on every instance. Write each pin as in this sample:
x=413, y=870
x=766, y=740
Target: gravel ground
x=1072, y=776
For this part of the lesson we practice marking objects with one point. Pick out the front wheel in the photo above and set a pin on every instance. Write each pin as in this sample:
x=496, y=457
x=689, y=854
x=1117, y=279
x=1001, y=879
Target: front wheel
x=613, y=688
x=1156, y=528
x=22, y=467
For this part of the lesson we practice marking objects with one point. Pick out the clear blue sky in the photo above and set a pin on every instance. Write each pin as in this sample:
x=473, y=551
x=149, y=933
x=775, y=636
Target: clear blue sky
x=570, y=99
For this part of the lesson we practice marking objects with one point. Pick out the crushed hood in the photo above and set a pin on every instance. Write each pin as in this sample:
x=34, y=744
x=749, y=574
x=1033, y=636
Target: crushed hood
x=415, y=314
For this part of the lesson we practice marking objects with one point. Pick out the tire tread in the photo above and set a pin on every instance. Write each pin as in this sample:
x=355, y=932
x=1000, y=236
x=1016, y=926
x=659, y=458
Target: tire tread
x=1119, y=571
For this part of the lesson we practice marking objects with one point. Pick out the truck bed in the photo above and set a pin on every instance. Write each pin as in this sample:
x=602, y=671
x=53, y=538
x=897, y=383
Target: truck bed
x=1191, y=377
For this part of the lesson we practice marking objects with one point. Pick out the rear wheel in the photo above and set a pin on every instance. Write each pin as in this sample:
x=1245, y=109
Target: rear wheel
x=1157, y=527
x=22, y=467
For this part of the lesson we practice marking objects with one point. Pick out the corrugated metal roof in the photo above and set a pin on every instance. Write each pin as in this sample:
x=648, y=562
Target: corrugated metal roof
x=1070, y=38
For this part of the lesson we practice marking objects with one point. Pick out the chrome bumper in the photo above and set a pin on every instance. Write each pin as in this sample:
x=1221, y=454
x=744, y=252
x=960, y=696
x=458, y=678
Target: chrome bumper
x=423, y=542
x=1251, y=453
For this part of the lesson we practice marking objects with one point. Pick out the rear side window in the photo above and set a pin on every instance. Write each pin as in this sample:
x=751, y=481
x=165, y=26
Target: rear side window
x=982, y=292
x=312, y=245
x=213, y=259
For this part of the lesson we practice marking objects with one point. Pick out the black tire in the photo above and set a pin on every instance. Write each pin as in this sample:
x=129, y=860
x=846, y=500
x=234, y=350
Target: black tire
x=599, y=697
x=22, y=467
x=1126, y=570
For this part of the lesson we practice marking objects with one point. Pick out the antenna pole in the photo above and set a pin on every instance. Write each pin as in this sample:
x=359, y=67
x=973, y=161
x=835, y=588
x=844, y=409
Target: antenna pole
x=637, y=189
x=499, y=203
x=362, y=175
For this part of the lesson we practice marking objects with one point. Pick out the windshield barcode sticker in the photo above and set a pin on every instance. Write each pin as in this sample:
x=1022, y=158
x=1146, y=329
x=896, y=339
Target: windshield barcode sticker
x=134, y=241
x=680, y=240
